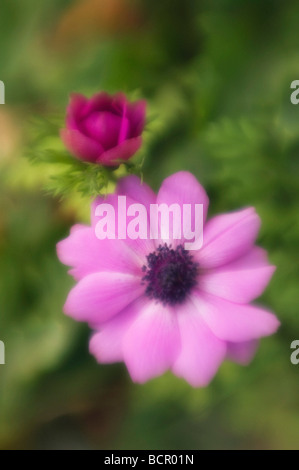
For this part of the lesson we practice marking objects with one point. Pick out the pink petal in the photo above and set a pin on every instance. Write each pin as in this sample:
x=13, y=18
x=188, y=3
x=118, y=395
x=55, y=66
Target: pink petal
x=182, y=188
x=123, y=133
x=235, y=322
x=75, y=110
x=103, y=127
x=100, y=296
x=141, y=246
x=99, y=102
x=121, y=152
x=151, y=343
x=119, y=102
x=240, y=281
x=80, y=145
x=87, y=254
x=77, y=227
x=107, y=344
x=124, y=128
x=141, y=193
x=227, y=237
x=242, y=353
x=201, y=352
x=132, y=187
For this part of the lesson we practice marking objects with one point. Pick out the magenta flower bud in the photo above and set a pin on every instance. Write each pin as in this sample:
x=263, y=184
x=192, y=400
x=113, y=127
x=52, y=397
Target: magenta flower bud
x=103, y=129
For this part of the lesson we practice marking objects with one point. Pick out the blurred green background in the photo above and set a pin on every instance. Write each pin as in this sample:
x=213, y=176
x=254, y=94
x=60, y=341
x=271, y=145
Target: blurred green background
x=217, y=77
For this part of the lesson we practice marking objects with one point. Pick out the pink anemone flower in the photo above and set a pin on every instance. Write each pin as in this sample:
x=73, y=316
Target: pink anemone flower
x=155, y=305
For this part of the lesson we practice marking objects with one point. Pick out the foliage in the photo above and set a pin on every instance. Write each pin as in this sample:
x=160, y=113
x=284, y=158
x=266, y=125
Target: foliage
x=217, y=79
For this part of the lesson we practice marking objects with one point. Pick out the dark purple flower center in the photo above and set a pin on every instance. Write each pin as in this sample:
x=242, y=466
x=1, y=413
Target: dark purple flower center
x=170, y=274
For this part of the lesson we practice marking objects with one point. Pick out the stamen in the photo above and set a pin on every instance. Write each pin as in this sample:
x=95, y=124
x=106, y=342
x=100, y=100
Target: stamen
x=170, y=274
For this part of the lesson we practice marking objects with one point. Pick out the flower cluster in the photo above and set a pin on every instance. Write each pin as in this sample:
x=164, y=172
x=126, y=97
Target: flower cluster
x=153, y=304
